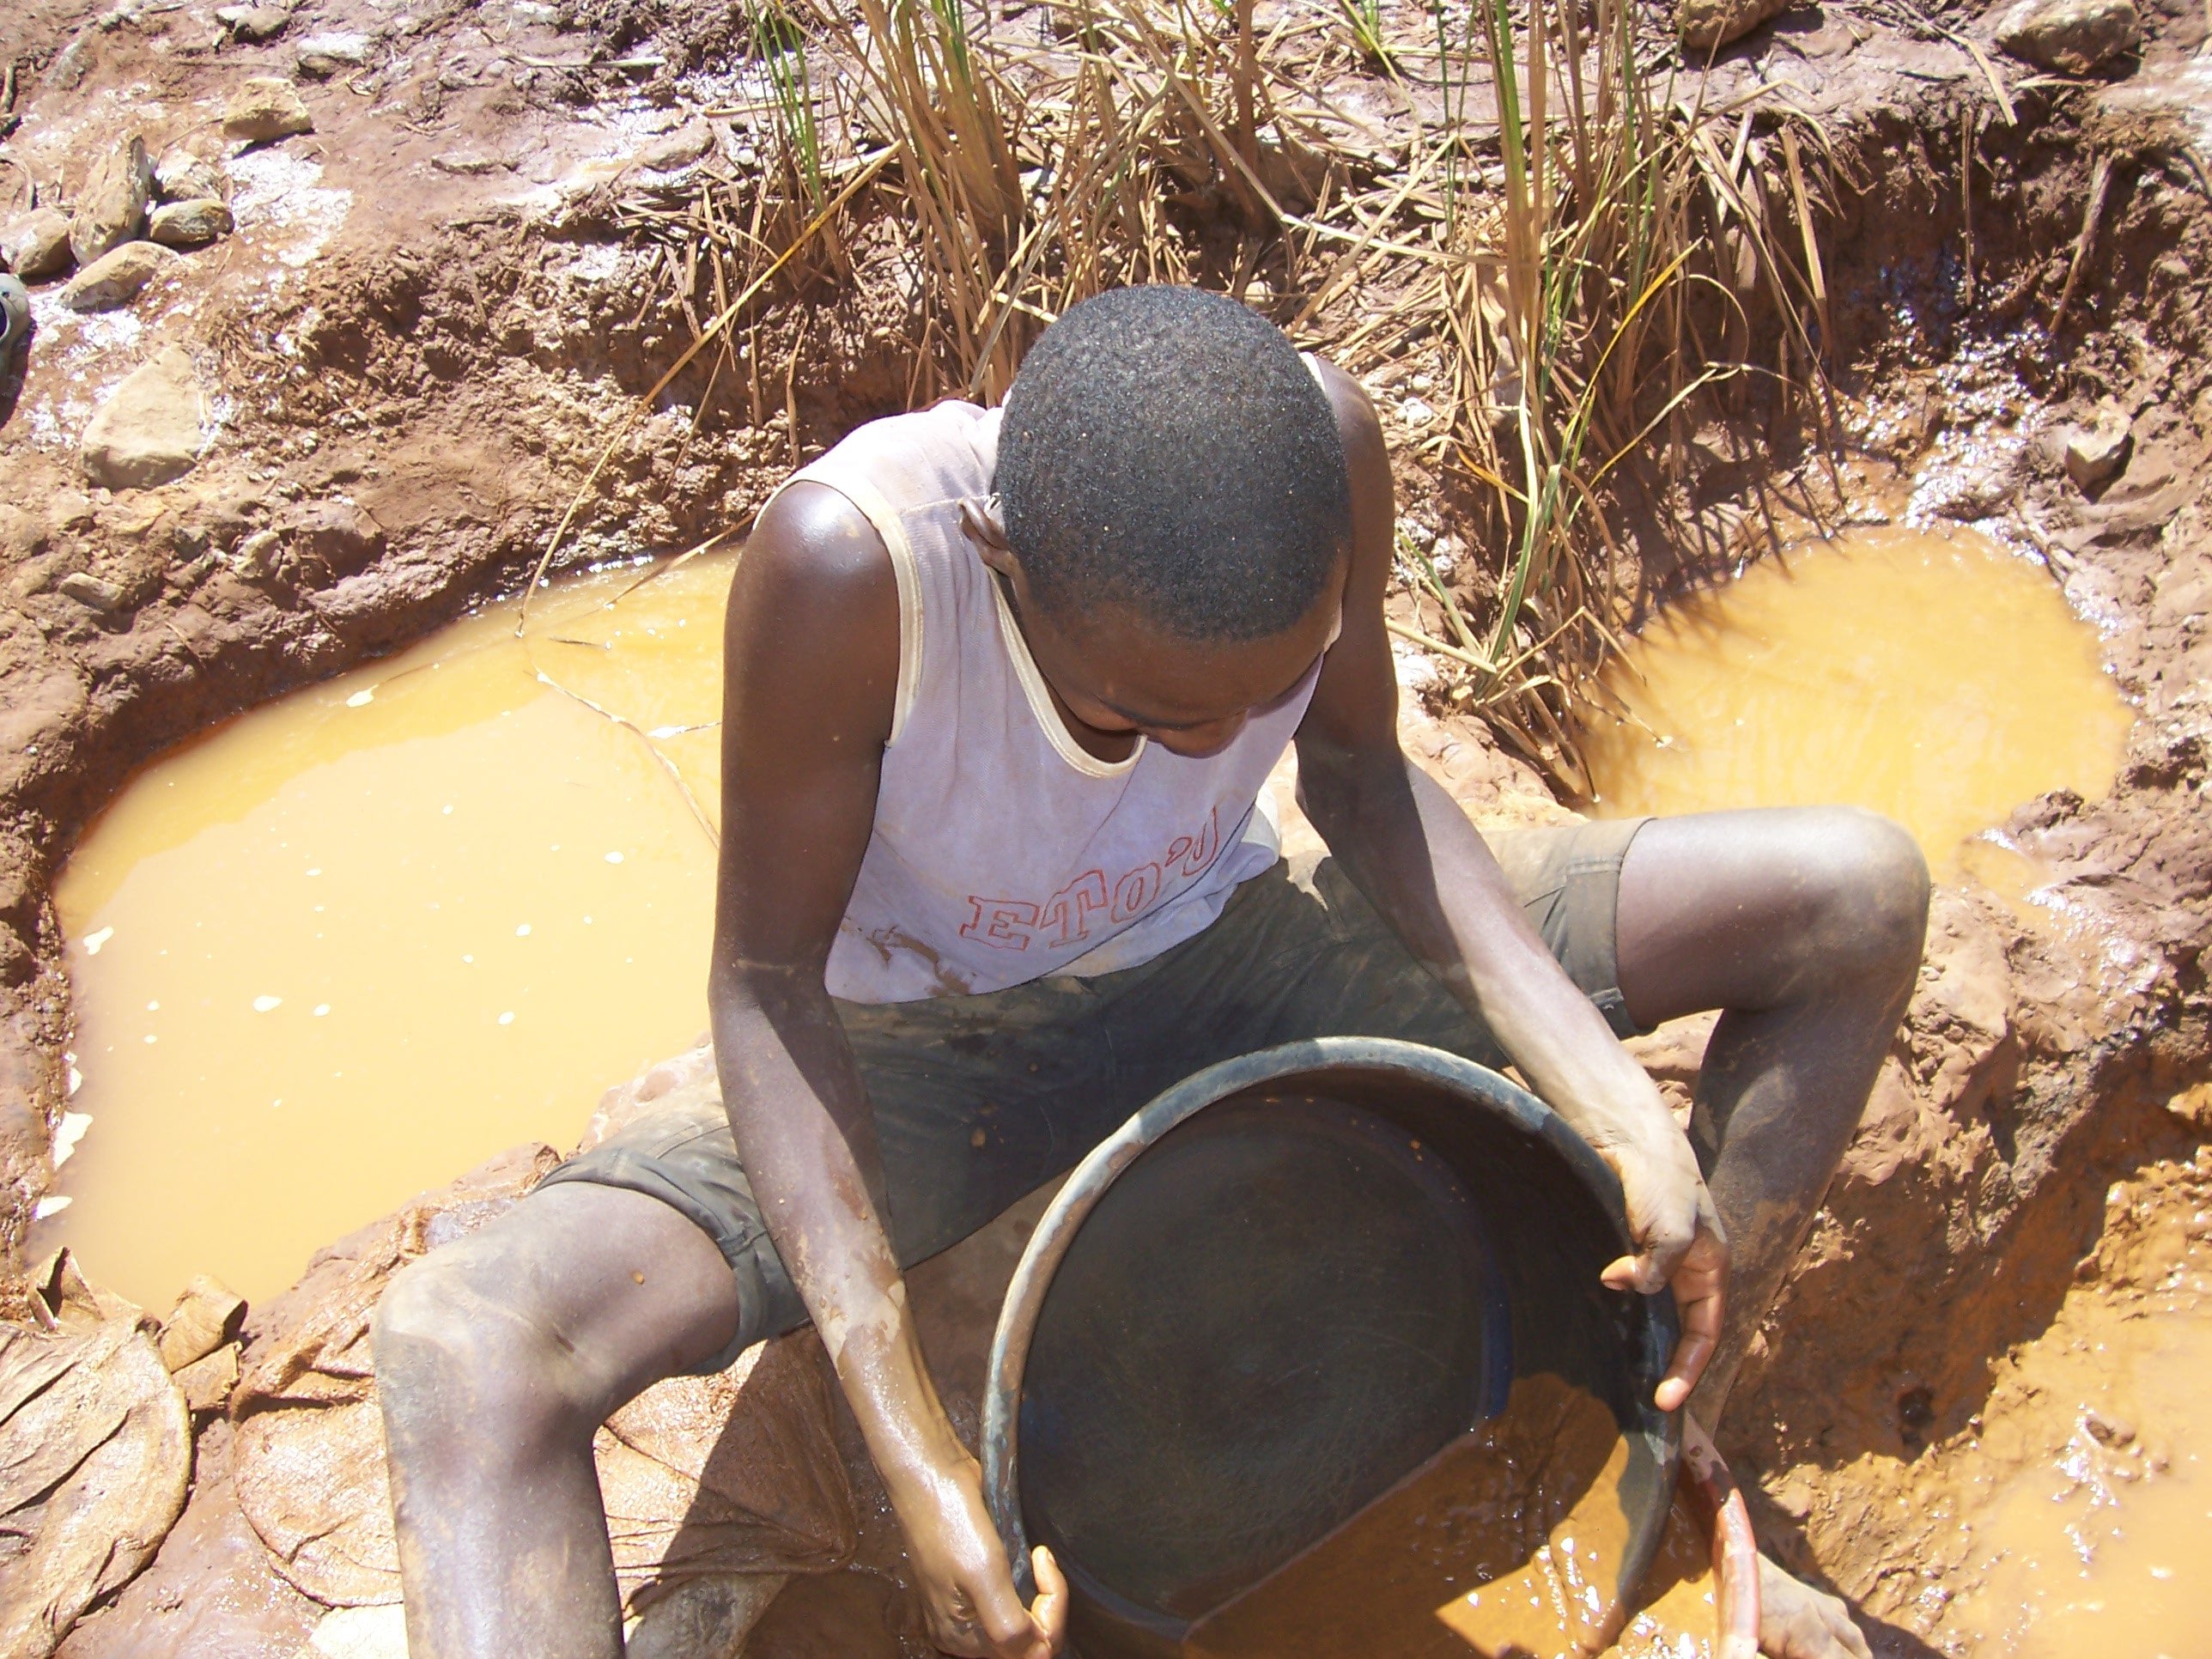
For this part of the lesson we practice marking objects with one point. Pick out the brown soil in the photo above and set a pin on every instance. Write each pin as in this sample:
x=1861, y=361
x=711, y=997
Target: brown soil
x=417, y=348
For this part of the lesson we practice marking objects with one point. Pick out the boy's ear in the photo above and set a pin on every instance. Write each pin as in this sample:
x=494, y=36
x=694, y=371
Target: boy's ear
x=981, y=519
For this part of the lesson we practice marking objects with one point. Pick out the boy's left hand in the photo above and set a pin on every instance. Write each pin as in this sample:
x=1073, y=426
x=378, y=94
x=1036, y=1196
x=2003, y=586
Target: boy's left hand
x=1672, y=1216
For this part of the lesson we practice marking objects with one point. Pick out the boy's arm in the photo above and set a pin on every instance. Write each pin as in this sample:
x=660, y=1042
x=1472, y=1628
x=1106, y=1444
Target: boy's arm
x=1410, y=850
x=810, y=664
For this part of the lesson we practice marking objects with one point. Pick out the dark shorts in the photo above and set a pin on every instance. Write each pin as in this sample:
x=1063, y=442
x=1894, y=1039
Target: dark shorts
x=980, y=1100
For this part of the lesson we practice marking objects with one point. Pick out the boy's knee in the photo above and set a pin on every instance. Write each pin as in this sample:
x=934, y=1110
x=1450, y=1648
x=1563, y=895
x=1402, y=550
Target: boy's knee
x=1877, y=893
x=453, y=1352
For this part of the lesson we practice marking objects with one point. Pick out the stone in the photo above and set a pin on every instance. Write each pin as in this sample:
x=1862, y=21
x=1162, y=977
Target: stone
x=21, y=536
x=2071, y=37
x=189, y=224
x=322, y=56
x=116, y=278
x=37, y=244
x=207, y=1315
x=96, y=1452
x=677, y=151
x=1706, y=25
x=255, y=558
x=187, y=179
x=208, y=1381
x=2096, y=453
x=253, y=24
x=149, y=431
x=111, y=209
x=91, y=592
x=264, y=108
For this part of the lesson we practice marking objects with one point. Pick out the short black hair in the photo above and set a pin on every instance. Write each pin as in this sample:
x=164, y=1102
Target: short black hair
x=1169, y=450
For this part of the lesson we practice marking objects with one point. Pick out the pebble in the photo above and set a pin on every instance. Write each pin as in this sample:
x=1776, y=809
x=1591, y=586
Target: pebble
x=187, y=179
x=265, y=108
x=91, y=592
x=254, y=23
x=37, y=244
x=189, y=224
x=255, y=558
x=149, y=432
x=1706, y=25
x=115, y=279
x=2097, y=452
x=2071, y=37
x=322, y=56
x=111, y=209
x=679, y=150
x=469, y=165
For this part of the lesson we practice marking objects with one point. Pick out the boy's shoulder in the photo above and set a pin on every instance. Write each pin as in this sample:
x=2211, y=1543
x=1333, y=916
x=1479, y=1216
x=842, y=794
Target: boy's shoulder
x=948, y=451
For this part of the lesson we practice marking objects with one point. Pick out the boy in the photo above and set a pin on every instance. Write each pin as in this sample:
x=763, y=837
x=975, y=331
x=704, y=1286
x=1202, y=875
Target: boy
x=1002, y=690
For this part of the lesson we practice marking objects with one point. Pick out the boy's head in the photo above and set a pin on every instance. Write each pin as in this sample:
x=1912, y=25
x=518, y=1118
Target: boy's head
x=1170, y=471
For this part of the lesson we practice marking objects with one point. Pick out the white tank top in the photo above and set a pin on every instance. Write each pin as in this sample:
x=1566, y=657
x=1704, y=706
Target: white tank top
x=1003, y=851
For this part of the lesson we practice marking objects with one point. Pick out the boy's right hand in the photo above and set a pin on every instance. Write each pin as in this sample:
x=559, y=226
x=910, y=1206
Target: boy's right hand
x=966, y=1588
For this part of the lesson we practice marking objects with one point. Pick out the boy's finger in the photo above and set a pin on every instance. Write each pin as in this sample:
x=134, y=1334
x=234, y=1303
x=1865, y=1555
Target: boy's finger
x=1048, y=1612
x=1701, y=1316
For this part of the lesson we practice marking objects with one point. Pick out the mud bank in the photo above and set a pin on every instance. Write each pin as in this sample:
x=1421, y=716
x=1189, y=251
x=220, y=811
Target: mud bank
x=435, y=312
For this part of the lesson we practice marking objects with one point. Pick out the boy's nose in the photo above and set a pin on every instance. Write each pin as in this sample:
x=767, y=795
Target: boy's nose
x=1197, y=742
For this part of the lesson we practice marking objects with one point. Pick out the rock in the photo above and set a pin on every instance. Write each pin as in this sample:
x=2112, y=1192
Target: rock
x=2072, y=37
x=116, y=278
x=111, y=209
x=210, y=1591
x=187, y=179
x=207, y=1315
x=37, y=244
x=189, y=224
x=2096, y=454
x=21, y=536
x=677, y=151
x=1706, y=25
x=95, y=1450
x=253, y=24
x=265, y=108
x=256, y=557
x=322, y=56
x=208, y=1381
x=91, y=592
x=470, y=164
x=149, y=432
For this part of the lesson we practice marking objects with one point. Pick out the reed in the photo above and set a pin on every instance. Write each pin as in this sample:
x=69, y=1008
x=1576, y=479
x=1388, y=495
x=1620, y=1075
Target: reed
x=1580, y=259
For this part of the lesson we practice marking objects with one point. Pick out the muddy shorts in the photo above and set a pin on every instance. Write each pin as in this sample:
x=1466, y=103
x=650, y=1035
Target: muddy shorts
x=979, y=1100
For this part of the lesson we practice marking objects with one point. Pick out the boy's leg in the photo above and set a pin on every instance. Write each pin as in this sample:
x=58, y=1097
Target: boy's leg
x=1804, y=925
x=496, y=1359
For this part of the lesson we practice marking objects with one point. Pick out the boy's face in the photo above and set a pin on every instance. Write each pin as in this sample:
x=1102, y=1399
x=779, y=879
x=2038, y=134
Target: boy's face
x=1120, y=674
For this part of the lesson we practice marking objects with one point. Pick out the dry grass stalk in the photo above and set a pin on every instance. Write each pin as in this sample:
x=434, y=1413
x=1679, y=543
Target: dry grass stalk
x=1562, y=265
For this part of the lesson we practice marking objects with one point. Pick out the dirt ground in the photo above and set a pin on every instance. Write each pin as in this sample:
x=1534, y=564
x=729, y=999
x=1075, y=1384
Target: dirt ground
x=430, y=316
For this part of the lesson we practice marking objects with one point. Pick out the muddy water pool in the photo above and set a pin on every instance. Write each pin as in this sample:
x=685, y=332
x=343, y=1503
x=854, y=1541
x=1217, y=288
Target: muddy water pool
x=351, y=944
x=1931, y=676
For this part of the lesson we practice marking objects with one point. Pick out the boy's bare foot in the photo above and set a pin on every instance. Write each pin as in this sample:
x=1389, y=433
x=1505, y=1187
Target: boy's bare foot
x=1797, y=1621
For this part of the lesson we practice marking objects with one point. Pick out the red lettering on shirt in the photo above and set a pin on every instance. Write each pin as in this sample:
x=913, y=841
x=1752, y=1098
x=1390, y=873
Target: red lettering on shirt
x=1003, y=922
x=1066, y=919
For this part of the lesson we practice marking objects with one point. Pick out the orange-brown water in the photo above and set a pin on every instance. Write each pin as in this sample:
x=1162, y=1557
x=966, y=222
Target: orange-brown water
x=1931, y=676
x=1507, y=1544
x=351, y=944
x=2082, y=1512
